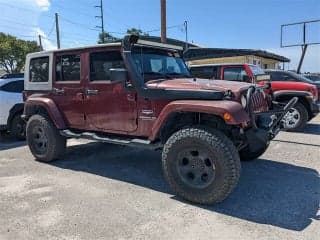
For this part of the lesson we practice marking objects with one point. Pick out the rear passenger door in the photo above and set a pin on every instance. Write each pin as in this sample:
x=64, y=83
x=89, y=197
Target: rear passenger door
x=68, y=87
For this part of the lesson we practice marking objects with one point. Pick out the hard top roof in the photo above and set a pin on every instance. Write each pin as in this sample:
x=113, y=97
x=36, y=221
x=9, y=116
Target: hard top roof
x=139, y=42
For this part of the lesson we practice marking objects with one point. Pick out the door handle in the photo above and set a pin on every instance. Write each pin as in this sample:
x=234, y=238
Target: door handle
x=92, y=91
x=58, y=90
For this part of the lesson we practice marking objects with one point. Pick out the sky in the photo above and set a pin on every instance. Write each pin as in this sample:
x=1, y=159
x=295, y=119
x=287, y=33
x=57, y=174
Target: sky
x=211, y=23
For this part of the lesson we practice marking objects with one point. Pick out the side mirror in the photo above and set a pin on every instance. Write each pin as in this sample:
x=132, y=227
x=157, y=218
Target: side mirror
x=119, y=75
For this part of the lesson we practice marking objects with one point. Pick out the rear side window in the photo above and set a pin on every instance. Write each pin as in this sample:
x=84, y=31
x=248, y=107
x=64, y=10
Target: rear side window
x=39, y=69
x=14, y=87
x=102, y=62
x=68, y=67
x=234, y=74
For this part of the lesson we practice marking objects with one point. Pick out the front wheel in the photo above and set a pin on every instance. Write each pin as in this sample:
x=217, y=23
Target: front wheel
x=44, y=140
x=201, y=166
x=296, y=118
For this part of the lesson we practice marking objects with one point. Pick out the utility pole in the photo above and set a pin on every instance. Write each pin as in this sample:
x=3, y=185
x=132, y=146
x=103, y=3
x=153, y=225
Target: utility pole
x=101, y=17
x=40, y=42
x=186, y=31
x=57, y=30
x=163, y=21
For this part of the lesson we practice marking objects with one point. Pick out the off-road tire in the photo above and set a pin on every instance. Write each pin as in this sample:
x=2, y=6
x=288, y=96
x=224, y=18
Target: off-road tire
x=303, y=118
x=247, y=155
x=220, y=148
x=18, y=128
x=56, y=143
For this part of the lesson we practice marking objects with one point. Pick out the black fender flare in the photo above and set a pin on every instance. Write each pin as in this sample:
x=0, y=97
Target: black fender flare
x=304, y=97
x=291, y=93
x=16, y=109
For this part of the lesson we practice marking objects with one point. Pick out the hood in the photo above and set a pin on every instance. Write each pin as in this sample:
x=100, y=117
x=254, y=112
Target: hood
x=198, y=84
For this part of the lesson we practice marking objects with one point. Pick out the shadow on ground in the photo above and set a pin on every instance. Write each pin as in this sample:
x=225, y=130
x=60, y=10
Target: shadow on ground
x=269, y=192
x=8, y=142
x=312, y=128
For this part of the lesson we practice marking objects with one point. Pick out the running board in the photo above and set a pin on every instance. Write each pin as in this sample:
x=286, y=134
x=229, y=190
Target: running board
x=120, y=141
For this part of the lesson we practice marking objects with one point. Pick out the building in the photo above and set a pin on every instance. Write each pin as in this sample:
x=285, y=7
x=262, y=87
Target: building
x=264, y=59
x=198, y=55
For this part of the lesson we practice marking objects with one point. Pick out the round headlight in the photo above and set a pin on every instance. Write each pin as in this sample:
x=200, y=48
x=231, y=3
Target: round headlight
x=243, y=101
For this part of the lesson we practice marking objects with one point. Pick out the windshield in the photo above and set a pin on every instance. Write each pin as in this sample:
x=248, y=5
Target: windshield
x=158, y=64
x=313, y=77
x=299, y=77
x=256, y=70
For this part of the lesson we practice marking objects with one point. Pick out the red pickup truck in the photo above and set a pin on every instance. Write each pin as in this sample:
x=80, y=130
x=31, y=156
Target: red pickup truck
x=307, y=107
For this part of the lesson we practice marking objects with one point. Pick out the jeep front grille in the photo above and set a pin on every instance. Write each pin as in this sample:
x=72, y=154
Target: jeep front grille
x=259, y=102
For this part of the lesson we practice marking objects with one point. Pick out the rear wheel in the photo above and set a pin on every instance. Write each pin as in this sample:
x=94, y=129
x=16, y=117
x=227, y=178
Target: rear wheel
x=44, y=139
x=201, y=166
x=18, y=127
x=296, y=118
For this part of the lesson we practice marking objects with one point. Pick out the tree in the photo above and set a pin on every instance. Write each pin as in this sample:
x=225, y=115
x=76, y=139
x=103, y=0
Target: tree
x=106, y=38
x=13, y=52
x=136, y=31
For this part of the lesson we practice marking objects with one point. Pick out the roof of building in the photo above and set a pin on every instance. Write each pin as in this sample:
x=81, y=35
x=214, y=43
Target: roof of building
x=196, y=53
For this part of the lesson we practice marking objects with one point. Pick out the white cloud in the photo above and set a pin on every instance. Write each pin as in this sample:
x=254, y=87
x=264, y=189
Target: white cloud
x=311, y=61
x=43, y=5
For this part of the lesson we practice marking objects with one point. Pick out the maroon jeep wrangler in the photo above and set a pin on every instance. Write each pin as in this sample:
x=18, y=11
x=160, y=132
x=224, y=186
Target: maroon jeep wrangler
x=140, y=93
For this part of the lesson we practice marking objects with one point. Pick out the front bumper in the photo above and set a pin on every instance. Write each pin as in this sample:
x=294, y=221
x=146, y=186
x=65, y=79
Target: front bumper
x=264, y=126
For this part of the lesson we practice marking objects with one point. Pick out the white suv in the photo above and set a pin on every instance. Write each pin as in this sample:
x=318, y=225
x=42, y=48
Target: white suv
x=11, y=107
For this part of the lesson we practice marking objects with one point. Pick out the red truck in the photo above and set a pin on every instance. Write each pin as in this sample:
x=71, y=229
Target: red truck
x=307, y=107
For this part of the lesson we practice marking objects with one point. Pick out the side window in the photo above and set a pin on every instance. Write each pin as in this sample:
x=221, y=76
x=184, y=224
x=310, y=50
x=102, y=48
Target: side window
x=202, y=72
x=68, y=67
x=39, y=69
x=102, y=62
x=277, y=76
x=14, y=87
x=234, y=73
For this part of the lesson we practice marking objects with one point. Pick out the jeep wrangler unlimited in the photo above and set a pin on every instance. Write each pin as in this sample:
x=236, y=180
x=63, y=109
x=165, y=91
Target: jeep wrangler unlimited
x=140, y=93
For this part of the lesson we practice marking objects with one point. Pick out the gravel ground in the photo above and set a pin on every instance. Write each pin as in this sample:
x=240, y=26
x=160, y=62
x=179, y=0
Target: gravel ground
x=102, y=191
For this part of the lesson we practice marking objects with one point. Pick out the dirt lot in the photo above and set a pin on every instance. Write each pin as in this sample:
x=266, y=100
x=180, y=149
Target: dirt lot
x=102, y=191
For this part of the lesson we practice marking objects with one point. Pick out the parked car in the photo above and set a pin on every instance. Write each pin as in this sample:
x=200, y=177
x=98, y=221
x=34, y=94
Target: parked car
x=288, y=76
x=140, y=93
x=313, y=77
x=12, y=107
x=12, y=75
x=283, y=90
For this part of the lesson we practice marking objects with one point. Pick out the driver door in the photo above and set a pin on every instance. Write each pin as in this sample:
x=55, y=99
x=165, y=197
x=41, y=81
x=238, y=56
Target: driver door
x=108, y=105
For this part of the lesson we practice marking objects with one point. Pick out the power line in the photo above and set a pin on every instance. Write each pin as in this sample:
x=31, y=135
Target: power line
x=52, y=28
x=77, y=24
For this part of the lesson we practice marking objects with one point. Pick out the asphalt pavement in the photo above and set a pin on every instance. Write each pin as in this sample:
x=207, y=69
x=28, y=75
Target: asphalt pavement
x=103, y=191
